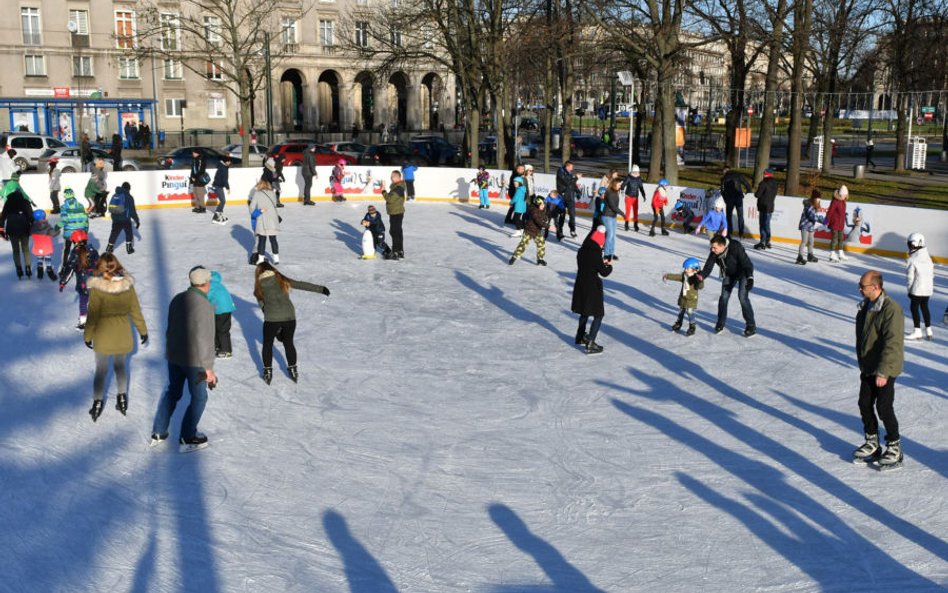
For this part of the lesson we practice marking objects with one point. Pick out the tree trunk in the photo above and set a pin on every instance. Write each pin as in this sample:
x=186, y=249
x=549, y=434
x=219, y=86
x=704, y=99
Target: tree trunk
x=548, y=112
x=901, y=130
x=655, y=149
x=801, y=32
x=669, y=135
x=243, y=88
x=733, y=119
x=765, y=139
x=830, y=106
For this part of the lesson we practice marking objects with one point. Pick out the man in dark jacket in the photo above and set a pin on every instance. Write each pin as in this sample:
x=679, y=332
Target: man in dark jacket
x=190, y=353
x=733, y=187
x=199, y=180
x=308, y=172
x=116, y=152
x=123, y=212
x=880, y=324
x=766, y=195
x=220, y=186
x=736, y=269
x=566, y=182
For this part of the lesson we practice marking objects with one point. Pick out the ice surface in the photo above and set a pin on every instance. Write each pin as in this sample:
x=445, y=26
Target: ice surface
x=446, y=436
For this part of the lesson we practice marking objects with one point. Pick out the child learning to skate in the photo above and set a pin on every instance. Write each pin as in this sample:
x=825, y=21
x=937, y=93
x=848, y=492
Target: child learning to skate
x=691, y=283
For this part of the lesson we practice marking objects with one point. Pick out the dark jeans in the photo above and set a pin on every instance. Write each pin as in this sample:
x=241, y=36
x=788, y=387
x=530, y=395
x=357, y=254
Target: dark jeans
x=410, y=188
x=517, y=221
x=731, y=208
x=197, y=387
x=727, y=285
x=221, y=198
x=571, y=210
x=54, y=198
x=307, y=188
x=557, y=215
x=874, y=399
x=222, y=333
x=765, y=227
x=658, y=213
x=282, y=330
x=262, y=244
x=920, y=302
x=395, y=231
x=593, y=329
x=117, y=228
x=21, y=244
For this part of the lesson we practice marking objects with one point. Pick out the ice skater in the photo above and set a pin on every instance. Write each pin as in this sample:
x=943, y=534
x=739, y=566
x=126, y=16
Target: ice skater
x=587, y=290
x=659, y=201
x=81, y=264
x=836, y=222
x=808, y=221
x=123, y=213
x=395, y=208
x=224, y=307
x=686, y=215
x=482, y=179
x=537, y=220
x=373, y=224
x=335, y=181
x=267, y=222
x=737, y=270
x=691, y=283
x=42, y=234
x=220, y=186
x=714, y=221
x=920, y=274
x=634, y=188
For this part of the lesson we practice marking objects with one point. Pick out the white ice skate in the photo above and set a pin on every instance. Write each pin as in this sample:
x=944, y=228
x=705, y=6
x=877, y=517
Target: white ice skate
x=928, y=334
x=915, y=335
x=841, y=255
x=517, y=234
x=834, y=256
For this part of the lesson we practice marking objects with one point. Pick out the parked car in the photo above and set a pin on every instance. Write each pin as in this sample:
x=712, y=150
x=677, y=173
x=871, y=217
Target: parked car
x=487, y=149
x=257, y=152
x=293, y=154
x=180, y=158
x=353, y=149
x=69, y=161
x=29, y=147
x=588, y=146
x=392, y=154
x=436, y=149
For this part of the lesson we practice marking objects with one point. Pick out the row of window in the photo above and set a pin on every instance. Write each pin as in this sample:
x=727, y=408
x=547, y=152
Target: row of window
x=35, y=65
x=170, y=37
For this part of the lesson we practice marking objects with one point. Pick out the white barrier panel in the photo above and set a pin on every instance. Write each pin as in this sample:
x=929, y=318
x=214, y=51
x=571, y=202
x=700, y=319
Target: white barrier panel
x=879, y=228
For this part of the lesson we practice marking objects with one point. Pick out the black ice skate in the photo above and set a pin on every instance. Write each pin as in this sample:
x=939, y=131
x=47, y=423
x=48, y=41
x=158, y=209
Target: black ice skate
x=121, y=403
x=39, y=272
x=267, y=375
x=96, y=410
x=868, y=451
x=676, y=326
x=51, y=273
x=294, y=373
x=157, y=439
x=593, y=348
x=892, y=458
x=691, y=330
x=195, y=443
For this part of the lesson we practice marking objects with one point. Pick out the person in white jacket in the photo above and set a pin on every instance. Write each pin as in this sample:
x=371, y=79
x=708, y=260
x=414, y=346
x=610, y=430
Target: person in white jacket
x=920, y=273
x=7, y=165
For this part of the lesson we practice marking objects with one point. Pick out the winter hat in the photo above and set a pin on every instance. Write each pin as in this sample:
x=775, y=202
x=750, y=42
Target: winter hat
x=635, y=170
x=68, y=193
x=843, y=191
x=599, y=236
x=270, y=164
x=768, y=173
x=199, y=276
x=528, y=168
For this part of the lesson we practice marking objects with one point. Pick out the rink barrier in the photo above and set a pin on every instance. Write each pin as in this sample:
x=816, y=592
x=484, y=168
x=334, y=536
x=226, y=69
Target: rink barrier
x=879, y=229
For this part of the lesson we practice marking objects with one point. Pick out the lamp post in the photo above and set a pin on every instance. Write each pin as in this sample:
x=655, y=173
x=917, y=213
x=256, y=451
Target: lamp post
x=269, y=87
x=626, y=78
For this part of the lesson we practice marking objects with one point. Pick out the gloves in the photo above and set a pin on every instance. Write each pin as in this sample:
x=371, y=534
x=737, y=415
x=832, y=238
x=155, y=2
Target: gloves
x=138, y=224
x=749, y=284
x=699, y=277
x=144, y=339
x=61, y=287
x=89, y=344
x=325, y=291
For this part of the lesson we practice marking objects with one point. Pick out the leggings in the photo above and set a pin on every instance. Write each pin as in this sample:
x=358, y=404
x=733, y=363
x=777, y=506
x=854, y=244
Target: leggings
x=102, y=367
x=920, y=302
x=21, y=244
x=262, y=244
x=656, y=214
x=593, y=329
x=83, y=304
x=836, y=243
x=283, y=331
x=806, y=242
x=632, y=203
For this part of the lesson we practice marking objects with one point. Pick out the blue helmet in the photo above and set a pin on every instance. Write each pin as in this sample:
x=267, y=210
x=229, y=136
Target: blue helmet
x=691, y=263
x=663, y=182
x=679, y=204
x=39, y=214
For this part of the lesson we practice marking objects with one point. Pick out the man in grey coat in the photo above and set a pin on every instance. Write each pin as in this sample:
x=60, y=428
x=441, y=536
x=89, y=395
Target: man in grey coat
x=308, y=172
x=189, y=350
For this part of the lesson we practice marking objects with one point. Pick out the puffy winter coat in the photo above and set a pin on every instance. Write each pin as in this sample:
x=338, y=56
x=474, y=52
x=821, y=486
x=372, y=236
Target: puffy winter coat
x=73, y=217
x=395, y=199
x=129, y=212
x=519, y=199
x=836, y=215
x=16, y=218
x=587, y=291
x=268, y=222
x=376, y=226
x=809, y=218
x=733, y=187
x=276, y=304
x=920, y=273
x=879, y=337
x=73, y=266
x=688, y=295
x=659, y=199
x=766, y=195
x=111, y=303
x=611, y=206
x=221, y=177
x=733, y=261
x=219, y=296
x=633, y=186
x=536, y=220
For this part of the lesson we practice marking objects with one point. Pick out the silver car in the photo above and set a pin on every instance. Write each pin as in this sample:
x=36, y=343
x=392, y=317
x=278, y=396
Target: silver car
x=258, y=152
x=69, y=161
x=29, y=147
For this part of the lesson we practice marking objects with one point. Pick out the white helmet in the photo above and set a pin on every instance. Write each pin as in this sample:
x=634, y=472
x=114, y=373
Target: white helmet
x=916, y=240
x=719, y=203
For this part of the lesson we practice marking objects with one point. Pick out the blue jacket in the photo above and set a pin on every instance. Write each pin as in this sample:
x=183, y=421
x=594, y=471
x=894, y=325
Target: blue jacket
x=520, y=197
x=130, y=212
x=714, y=220
x=554, y=203
x=408, y=171
x=809, y=218
x=219, y=297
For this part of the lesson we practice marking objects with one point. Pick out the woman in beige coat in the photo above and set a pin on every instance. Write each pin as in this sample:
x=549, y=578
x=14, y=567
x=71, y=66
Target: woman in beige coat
x=112, y=300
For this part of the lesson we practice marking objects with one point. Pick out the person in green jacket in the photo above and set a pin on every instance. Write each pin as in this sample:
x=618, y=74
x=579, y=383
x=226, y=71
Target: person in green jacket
x=395, y=208
x=14, y=185
x=272, y=290
x=108, y=331
x=880, y=328
x=691, y=283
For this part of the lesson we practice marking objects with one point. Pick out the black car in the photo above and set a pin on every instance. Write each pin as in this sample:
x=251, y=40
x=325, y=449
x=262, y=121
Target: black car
x=392, y=154
x=180, y=158
x=436, y=149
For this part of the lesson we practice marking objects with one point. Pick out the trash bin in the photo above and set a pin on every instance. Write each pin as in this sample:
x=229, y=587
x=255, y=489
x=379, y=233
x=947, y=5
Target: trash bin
x=859, y=171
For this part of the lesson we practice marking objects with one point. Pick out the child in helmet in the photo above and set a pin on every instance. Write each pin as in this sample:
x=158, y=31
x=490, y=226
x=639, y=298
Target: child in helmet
x=691, y=283
x=659, y=201
x=920, y=273
x=686, y=215
x=808, y=221
x=714, y=221
x=338, y=172
x=537, y=220
x=42, y=234
x=82, y=262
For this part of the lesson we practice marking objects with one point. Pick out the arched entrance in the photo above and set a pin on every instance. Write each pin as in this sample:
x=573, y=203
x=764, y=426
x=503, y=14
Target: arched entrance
x=291, y=92
x=364, y=102
x=398, y=100
x=327, y=94
x=431, y=96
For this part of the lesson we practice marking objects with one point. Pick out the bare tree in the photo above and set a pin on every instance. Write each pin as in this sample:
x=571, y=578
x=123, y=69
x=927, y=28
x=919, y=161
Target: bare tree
x=777, y=14
x=802, y=13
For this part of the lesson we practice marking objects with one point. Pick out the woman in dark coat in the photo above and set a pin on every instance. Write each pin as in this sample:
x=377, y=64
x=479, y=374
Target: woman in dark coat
x=16, y=220
x=587, y=292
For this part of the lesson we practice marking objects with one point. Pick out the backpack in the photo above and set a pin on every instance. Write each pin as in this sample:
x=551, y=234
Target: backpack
x=117, y=205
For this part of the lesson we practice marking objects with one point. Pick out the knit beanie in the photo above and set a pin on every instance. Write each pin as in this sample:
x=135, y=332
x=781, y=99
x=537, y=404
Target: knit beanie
x=599, y=236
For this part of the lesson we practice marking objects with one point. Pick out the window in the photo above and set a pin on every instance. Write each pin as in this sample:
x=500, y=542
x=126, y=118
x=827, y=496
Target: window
x=212, y=31
x=289, y=32
x=128, y=68
x=170, y=31
x=173, y=70
x=325, y=32
x=174, y=107
x=81, y=18
x=396, y=37
x=362, y=2
x=216, y=107
x=427, y=37
x=214, y=70
x=124, y=29
x=35, y=66
x=82, y=65
x=362, y=33
x=30, y=18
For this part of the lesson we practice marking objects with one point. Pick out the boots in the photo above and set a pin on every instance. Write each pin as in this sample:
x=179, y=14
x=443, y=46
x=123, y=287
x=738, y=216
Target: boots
x=121, y=403
x=51, y=273
x=635, y=226
x=294, y=373
x=19, y=273
x=29, y=271
x=811, y=258
x=800, y=260
x=267, y=375
x=892, y=455
x=130, y=247
x=109, y=248
x=96, y=410
x=593, y=348
x=39, y=272
x=869, y=450
x=627, y=226
x=664, y=231
x=691, y=330
x=915, y=335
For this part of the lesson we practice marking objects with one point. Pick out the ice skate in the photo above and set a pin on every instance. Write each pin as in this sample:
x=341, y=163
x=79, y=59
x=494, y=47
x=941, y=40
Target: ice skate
x=516, y=234
x=676, y=326
x=800, y=261
x=915, y=335
x=760, y=246
x=267, y=375
x=928, y=334
x=665, y=232
x=19, y=273
x=719, y=328
x=593, y=348
x=868, y=451
x=121, y=403
x=51, y=273
x=581, y=338
x=691, y=330
x=157, y=439
x=541, y=262
x=276, y=259
x=750, y=331
x=129, y=248
x=812, y=258
x=294, y=373
x=96, y=410
x=841, y=255
x=29, y=272
x=512, y=260
x=651, y=233
x=627, y=226
x=635, y=226
x=892, y=458
x=834, y=258
x=195, y=443
x=39, y=272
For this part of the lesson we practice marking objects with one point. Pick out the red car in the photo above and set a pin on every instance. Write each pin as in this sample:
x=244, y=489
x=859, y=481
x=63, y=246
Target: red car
x=292, y=153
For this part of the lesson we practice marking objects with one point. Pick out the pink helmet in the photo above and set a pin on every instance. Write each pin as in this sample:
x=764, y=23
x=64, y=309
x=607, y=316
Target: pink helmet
x=342, y=162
